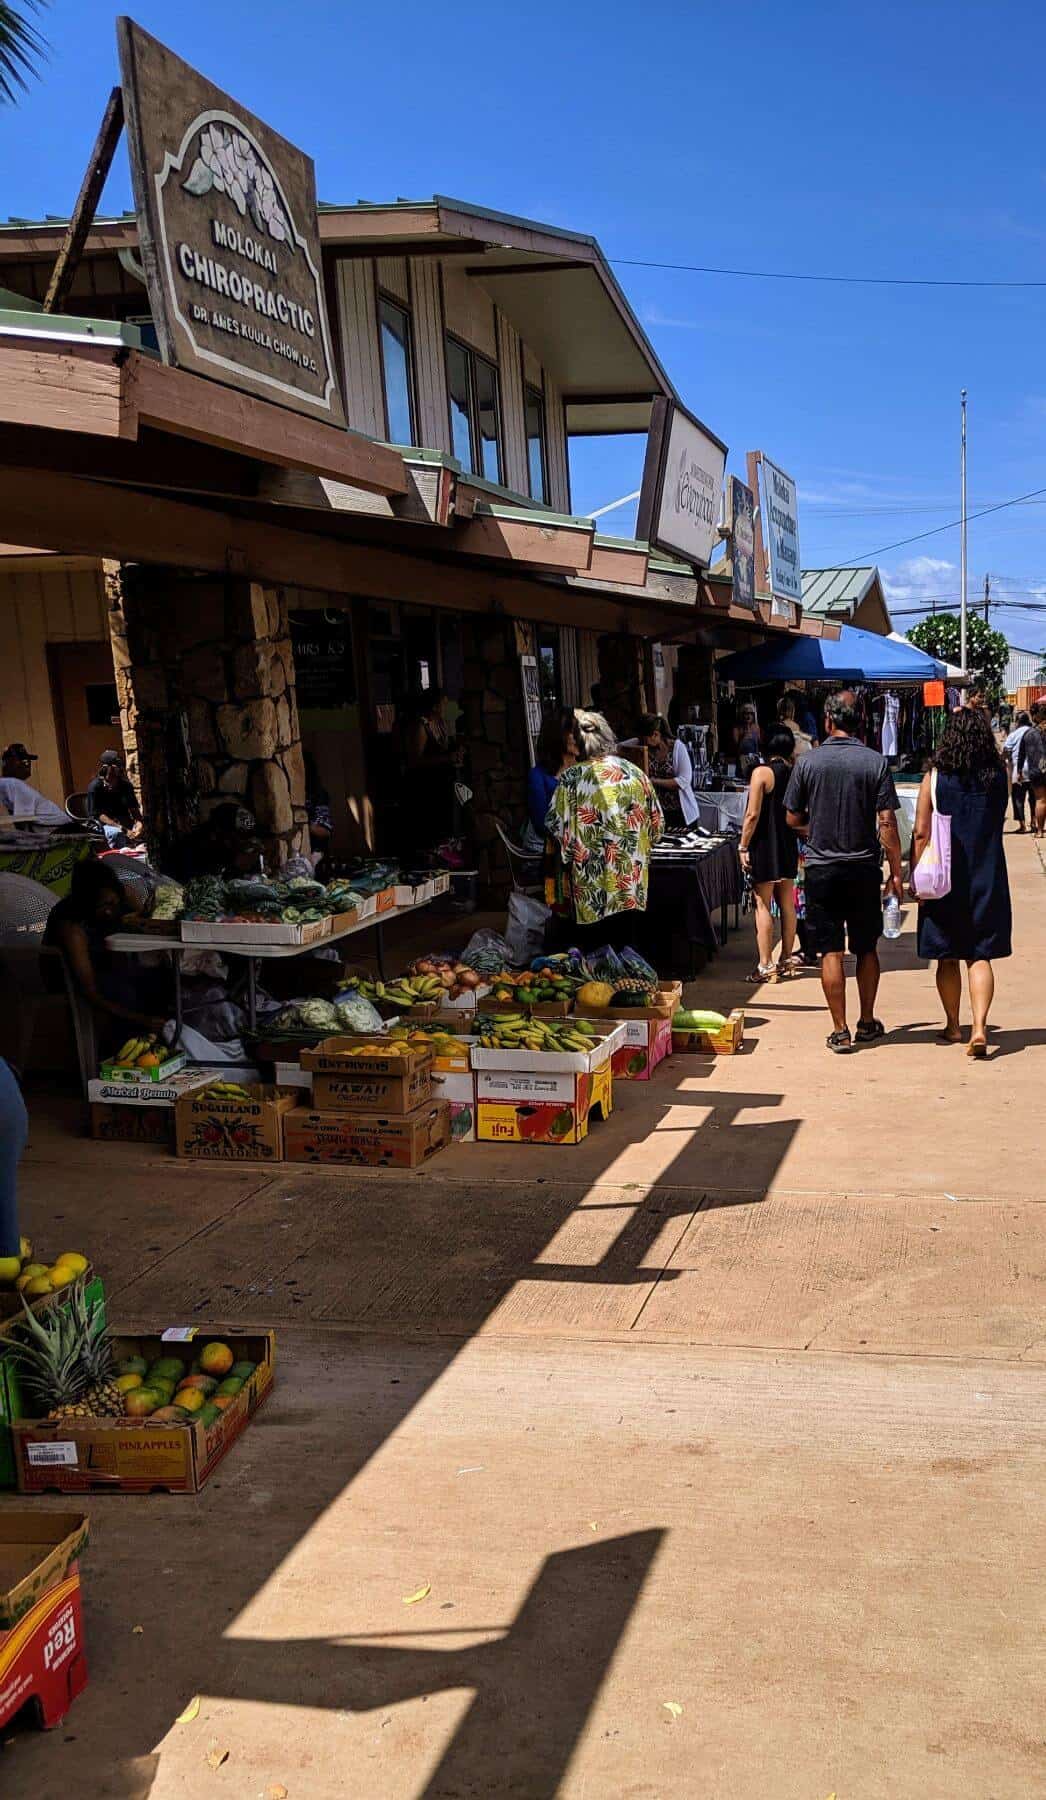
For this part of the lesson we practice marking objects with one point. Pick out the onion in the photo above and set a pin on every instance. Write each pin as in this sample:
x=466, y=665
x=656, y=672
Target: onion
x=469, y=979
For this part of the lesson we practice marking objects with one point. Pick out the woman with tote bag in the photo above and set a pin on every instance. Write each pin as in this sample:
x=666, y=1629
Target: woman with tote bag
x=963, y=889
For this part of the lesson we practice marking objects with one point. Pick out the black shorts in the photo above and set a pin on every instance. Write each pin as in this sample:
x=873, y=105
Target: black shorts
x=1036, y=779
x=844, y=905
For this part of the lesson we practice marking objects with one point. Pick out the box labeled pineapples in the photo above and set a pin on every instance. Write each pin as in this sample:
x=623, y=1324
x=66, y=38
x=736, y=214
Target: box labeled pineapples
x=131, y=1414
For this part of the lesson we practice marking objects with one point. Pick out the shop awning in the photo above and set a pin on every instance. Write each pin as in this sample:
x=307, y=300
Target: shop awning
x=853, y=656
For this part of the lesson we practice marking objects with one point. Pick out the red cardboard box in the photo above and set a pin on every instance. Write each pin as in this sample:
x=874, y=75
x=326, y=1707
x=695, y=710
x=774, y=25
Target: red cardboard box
x=648, y=1042
x=42, y=1661
x=521, y=1108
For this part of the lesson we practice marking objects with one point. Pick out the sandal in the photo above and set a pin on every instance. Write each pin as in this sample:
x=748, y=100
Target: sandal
x=868, y=1030
x=839, y=1041
x=762, y=972
x=977, y=1048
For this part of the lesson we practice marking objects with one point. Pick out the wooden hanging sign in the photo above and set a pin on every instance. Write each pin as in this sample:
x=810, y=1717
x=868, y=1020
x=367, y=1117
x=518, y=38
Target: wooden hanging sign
x=228, y=232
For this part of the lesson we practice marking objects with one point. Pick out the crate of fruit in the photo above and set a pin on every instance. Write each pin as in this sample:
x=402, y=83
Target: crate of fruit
x=143, y=1059
x=131, y=1414
x=556, y=1046
x=248, y=932
x=708, y=1034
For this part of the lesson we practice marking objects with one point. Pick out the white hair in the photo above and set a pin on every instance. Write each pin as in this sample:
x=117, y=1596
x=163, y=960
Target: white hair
x=594, y=736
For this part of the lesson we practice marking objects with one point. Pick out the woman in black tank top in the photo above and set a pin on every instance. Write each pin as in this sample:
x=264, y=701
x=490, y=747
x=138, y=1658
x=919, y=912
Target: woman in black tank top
x=770, y=854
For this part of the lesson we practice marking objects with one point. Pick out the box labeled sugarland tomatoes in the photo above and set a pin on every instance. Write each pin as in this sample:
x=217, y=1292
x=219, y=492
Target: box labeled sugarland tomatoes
x=523, y=1108
x=42, y=1661
x=212, y=1126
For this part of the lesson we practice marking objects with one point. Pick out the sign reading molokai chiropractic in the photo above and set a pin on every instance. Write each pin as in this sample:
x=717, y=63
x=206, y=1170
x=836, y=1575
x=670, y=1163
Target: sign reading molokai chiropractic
x=681, y=496
x=227, y=227
x=779, y=516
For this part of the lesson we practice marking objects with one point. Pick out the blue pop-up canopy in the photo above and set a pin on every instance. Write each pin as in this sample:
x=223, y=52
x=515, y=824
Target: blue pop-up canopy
x=854, y=655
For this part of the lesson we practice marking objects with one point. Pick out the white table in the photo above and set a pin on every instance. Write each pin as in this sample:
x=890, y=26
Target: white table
x=135, y=943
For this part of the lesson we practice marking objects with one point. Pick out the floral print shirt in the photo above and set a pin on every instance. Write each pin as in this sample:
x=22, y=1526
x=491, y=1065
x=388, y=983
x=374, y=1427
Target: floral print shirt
x=605, y=818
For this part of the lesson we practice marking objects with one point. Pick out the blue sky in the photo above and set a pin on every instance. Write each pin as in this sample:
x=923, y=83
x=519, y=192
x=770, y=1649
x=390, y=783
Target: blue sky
x=904, y=141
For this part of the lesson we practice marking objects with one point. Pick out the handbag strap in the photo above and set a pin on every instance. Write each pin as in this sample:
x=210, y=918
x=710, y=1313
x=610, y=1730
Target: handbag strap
x=933, y=789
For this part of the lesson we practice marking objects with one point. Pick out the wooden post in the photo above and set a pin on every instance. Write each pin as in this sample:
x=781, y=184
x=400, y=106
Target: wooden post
x=68, y=258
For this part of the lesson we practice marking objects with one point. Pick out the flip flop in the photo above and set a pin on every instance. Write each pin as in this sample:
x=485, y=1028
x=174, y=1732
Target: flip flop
x=978, y=1049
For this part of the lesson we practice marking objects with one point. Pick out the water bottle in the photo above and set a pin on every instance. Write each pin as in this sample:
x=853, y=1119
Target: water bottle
x=892, y=917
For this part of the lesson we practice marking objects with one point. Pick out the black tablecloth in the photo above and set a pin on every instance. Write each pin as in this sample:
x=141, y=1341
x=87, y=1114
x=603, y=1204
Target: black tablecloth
x=685, y=895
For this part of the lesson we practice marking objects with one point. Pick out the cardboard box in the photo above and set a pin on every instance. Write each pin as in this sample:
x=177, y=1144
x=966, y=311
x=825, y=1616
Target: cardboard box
x=116, y=1074
x=122, y=1093
x=607, y=1037
x=385, y=901
x=292, y=1075
x=725, y=1042
x=647, y=1043
x=406, y=895
x=135, y=1456
x=247, y=932
x=458, y=1089
x=212, y=1128
x=13, y=1404
x=375, y=1082
x=441, y=883
x=541, y=1109
x=42, y=1662
x=367, y=907
x=401, y=1142
x=112, y=1123
x=37, y=1551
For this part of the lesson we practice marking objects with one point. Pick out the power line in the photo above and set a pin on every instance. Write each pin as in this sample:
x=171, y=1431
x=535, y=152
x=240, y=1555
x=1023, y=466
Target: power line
x=907, y=281
x=935, y=530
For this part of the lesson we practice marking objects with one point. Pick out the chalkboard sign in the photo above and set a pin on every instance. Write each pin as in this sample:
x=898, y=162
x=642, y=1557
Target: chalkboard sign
x=326, y=676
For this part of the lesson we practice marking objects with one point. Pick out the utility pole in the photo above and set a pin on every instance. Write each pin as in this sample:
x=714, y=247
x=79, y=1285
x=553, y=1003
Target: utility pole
x=987, y=596
x=962, y=546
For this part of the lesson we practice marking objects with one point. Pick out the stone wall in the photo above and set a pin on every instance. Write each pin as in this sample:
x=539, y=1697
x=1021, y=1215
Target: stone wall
x=495, y=734
x=626, y=684
x=205, y=679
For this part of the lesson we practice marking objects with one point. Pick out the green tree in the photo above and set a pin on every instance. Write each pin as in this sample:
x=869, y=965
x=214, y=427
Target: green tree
x=987, y=651
x=21, y=48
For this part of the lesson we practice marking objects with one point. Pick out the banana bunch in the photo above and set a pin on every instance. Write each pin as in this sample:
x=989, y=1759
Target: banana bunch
x=405, y=990
x=224, y=1090
x=515, y=1033
x=135, y=1047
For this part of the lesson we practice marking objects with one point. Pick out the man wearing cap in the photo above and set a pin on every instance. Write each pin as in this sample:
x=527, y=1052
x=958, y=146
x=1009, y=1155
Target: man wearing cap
x=112, y=801
x=18, y=797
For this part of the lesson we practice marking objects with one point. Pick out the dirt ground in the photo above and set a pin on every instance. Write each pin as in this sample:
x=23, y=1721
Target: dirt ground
x=716, y=1441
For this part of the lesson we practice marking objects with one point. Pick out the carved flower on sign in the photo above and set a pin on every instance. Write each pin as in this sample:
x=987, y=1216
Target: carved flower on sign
x=228, y=162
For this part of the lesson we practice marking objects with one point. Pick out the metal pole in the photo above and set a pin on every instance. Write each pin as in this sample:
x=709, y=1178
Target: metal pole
x=987, y=596
x=962, y=548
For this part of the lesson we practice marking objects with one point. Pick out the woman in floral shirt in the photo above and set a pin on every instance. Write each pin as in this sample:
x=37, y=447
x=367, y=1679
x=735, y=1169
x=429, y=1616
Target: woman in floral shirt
x=604, y=819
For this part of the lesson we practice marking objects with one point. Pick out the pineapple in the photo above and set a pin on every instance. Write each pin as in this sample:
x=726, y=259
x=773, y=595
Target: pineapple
x=64, y=1361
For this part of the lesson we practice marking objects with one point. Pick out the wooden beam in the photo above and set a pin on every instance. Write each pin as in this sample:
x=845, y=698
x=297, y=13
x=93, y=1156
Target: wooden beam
x=565, y=547
x=61, y=390
x=532, y=268
x=68, y=258
x=190, y=406
x=93, y=518
x=426, y=501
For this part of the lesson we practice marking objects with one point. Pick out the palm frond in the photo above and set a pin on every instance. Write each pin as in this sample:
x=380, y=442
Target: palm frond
x=21, y=47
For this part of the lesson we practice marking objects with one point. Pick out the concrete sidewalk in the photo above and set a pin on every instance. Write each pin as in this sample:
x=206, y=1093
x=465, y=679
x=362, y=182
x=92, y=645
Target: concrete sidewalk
x=735, y=1408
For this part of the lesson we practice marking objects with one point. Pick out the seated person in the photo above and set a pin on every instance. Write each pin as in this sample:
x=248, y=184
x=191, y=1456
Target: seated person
x=125, y=994
x=226, y=843
x=112, y=801
x=17, y=794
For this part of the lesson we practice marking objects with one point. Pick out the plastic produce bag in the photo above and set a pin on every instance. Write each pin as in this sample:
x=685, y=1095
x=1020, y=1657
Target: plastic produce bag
x=486, y=952
x=355, y=1013
x=204, y=1049
x=525, y=931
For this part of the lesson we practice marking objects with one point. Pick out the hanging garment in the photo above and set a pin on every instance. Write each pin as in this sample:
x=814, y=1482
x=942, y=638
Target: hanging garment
x=891, y=721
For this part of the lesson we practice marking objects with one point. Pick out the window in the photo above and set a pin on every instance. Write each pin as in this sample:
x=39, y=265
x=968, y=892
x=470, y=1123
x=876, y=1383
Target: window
x=396, y=361
x=537, y=466
x=475, y=412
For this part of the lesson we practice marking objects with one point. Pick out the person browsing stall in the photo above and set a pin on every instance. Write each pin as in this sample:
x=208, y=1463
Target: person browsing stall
x=770, y=853
x=670, y=770
x=841, y=798
x=112, y=801
x=120, y=990
x=604, y=819
x=555, y=750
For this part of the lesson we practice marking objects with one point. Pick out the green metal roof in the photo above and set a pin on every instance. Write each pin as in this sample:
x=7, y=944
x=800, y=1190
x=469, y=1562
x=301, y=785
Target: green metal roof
x=838, y=592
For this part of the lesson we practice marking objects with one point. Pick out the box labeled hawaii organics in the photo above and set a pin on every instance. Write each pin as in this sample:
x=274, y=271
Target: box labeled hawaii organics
x=356, y=1074
x=217, y=1127
x=520, y=1108
x=136, y=1456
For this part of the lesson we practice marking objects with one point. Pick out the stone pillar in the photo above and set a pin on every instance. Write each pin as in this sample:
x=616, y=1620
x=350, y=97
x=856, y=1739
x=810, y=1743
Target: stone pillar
x=205, y=679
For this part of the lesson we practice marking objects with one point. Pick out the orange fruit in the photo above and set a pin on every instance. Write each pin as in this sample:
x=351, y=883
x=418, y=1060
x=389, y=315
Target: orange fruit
x=216, y=1359
x=221, y=1401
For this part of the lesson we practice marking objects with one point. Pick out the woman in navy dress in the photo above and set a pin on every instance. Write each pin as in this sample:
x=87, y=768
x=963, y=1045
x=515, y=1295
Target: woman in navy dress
x=972, y=923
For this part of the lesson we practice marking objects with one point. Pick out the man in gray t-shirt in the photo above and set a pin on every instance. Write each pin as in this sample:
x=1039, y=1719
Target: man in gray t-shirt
x=842, y=800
